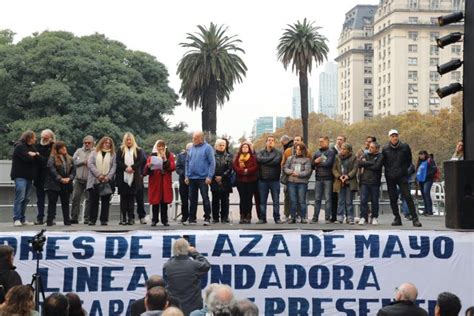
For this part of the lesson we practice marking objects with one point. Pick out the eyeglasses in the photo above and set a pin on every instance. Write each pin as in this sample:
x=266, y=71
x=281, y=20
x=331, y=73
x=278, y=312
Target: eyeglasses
x=87, y=143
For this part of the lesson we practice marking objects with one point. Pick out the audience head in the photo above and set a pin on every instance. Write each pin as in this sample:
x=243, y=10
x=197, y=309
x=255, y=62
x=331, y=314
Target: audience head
x=56, y=305
x=172, y=311
x=28, y=137
x=298, y=139
x=6, y=256
x=470, y=311
x=270, y=142
x=285, y=139
x=447, y=304
x=75, y=305
x=88, y=142
x=222, y=301
x=374, y=147
x=346, y=149
x=245, y=147
x=155, y=280
x=300, y=150
x=198, y=137
x=207, y=294
x=220, y=145
x=47, y=137
x=368, y=140
x=406, y=292
x=340, y=140
x=460, y=146
x=128, y=141
x=156, y=299
x=423, y=155
x=324, y=142
x=181, y=247
x=246, y=307
x=393, y=134
x=106, y=144
x=188, y=146
x=19, y=301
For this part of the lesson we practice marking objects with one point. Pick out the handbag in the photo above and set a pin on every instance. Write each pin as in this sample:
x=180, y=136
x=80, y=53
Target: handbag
x=103, y=188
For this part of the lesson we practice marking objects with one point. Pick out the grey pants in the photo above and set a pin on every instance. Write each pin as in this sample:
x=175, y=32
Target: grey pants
x=80, y=193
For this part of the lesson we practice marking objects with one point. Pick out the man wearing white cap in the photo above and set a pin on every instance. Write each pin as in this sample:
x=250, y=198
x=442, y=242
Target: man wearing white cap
x=397, y=159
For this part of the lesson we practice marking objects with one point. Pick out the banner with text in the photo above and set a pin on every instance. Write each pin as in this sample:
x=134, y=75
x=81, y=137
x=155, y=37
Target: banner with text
x=284, y=272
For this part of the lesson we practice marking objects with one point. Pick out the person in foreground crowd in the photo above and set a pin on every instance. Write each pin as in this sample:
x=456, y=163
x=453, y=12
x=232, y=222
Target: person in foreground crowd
x=8, y=276
x=56, y=304
x=222, y=301
x=61, y=173
x=156, y=301
x=246, y=307
x=160, y=166
x=298, y=168
x=459, y=152
x=100, y=182
x=47, y=139
x=404, y=304
x=183, y=187
x=221, y=185
x=200, y=167
x=183, y=273
x=75, y=305
x=365, y=150
x=19, y=301
x=470, y=311
x=129, y=162
x=24, y=170
x=370, y=174
x=322, y=163
x=246, y=169
x=396, y=160
x=138, y=307
x=447, y=304
x=269, y=160
x=172, y=311
x=425, y=173
x=345, y=182
x=207, y=294
x=80, y=158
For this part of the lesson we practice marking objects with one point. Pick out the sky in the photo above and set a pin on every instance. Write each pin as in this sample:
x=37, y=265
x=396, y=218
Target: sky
x=157, y=27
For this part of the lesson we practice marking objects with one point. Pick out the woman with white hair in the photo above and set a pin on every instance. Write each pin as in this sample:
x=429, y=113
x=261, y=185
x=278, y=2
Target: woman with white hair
x=129, y=162
x=159, y=166
x=221, y=186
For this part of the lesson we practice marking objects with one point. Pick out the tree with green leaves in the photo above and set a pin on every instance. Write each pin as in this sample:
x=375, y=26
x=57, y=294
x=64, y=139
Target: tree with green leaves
x=299, y=45
x=80, y=85
x=208, y=71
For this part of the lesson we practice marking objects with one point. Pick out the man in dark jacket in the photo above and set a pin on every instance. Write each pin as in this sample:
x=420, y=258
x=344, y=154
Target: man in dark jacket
x=370, y=174
x=322, y=162
x=8, y=276
x=183, y=187
x=269, y=160
x=44, y=148
x=396, y=160
x=183, y=274
x=24, y=171
x=404, y=304
x=138, y=307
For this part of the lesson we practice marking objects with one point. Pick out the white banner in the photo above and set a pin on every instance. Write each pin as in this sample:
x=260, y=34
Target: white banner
x=285, y=272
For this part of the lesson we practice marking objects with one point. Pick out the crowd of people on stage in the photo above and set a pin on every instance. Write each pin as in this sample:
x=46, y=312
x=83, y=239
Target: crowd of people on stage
x=179, y=293
x=96, y=169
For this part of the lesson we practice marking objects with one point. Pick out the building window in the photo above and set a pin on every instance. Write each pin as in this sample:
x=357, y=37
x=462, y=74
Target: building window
x=434, y=61
x=384, y=104
x=412, y=61
x=413, y=35
x=367, y=80
x=388, y=75
x=434, y=101
x=368, y=93
x=388, y=64
x=388, y=89
x=367, y=70
x=368, y=46
x=413, y=75
x=412, y=4
x=434, y=4
x=456, y=49
x=412, y=88
x=384, y=77
x=412, y=19
x=380, y=81
x=434, y=35
x=433, y=88
x=434, y=50
x=367, y=60
x=434, y=76
x=456, y=75
x=413, y=48
x=413, y=101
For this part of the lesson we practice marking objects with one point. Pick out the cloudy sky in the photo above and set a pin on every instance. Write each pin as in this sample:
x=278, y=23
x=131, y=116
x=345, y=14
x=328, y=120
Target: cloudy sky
x=157, y=27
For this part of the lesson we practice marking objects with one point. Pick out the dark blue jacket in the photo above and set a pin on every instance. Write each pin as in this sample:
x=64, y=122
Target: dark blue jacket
x=324, y=169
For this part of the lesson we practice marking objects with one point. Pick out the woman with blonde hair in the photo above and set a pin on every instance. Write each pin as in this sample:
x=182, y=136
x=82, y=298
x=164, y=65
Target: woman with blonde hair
x=129, y=162
x=61, y=173
x=159, y=166
x=19, y=301
x=100, y=183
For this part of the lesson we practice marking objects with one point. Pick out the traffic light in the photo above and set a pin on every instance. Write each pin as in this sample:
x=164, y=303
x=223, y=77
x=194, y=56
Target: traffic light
x=443, y=42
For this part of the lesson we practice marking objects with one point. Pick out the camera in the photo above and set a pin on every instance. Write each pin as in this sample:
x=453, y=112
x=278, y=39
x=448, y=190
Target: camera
x=38, y=241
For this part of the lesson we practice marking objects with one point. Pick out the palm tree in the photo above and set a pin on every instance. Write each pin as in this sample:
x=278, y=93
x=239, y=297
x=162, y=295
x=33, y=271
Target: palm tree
x=209, y=70
x=299, y=44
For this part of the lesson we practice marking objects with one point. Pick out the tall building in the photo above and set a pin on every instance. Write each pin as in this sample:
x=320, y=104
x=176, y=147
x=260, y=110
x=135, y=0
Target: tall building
x=328, y=90
x=388, y=57
x=262, y=125
x=406, y=55
x=355, y=63
x=279, y=122
x=296, y=103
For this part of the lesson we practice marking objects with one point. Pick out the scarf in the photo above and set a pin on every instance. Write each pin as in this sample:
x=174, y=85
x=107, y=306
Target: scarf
x=128, y=158
x=244, y=157
x=103, y=163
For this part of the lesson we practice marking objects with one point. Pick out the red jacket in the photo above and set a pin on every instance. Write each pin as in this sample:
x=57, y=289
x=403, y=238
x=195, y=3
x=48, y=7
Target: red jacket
x=160, y=184
x=252, y=169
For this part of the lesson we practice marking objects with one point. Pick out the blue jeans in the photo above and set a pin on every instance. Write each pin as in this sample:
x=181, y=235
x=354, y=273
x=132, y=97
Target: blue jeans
x=297, y=192
x=200, y=185
x=22, y=193
x=425, y=188
x=323, y=188
x=264, y=187
x=369, y=193
x=344, y=204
